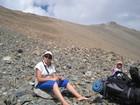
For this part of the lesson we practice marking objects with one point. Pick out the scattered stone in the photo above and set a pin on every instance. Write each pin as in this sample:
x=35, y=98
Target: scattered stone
x=19, y=93
x=69, y=66
x=82, y=66
x=20, y=51
x=88, y=73
x=7, y=58
x=2, y=103
x=44, y=94
x=1, y=44
x=31, y=83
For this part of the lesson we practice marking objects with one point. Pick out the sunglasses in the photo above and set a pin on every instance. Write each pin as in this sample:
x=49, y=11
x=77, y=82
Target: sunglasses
x=48, y=56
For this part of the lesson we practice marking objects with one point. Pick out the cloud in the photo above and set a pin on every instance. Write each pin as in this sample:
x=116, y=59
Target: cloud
x=124, y=12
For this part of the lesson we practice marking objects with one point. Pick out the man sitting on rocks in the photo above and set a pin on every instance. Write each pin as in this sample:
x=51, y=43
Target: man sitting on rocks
x=119, y=67
x=46, y=79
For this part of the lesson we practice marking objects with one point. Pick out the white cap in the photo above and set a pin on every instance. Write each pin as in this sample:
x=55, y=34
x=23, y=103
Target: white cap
x=48, y=52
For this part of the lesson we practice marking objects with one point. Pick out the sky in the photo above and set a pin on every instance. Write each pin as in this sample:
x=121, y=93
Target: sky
x=88, y=12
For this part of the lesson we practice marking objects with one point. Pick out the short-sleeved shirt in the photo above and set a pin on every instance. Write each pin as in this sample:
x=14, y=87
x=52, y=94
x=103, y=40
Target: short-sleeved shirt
x=42, y=67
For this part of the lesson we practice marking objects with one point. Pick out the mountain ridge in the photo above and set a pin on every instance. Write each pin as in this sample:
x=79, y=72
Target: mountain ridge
x=110, y=36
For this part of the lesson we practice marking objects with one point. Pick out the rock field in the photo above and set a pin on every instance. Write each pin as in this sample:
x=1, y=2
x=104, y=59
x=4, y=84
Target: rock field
x=82, y=66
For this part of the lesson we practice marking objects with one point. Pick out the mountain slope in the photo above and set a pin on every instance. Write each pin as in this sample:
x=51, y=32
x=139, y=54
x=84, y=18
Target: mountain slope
x=110, y=36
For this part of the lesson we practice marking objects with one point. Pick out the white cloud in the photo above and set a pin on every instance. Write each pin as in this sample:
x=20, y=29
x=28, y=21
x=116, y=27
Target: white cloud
x=124, y=12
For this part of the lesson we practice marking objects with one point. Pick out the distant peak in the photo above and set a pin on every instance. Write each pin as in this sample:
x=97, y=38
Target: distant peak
x=108, y=23
x=112, y=22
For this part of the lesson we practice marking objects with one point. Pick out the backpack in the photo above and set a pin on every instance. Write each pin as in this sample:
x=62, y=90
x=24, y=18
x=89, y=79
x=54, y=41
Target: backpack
x=119, y=88
x=134, y=72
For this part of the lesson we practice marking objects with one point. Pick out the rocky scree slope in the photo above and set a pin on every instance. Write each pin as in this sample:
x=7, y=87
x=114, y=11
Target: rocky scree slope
x=19, y=54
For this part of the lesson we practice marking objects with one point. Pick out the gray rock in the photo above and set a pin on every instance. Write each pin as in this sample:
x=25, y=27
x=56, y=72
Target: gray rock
x=19, y=93
x=1, y=44
x=69, y=66
x=44, y=94
x=49, y=102
x=2, y=103
x=7, y=58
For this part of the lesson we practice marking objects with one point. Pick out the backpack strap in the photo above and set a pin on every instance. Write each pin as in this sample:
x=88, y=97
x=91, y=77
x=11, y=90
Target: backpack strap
x=128, y=94
x=105, y=89
x=46, y=68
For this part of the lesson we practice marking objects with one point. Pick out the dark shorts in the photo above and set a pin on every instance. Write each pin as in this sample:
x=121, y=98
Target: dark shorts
x=48, y=85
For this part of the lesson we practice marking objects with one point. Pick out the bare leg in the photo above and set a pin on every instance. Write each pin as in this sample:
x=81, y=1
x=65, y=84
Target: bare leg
x=74, y=92
x=59, y=95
